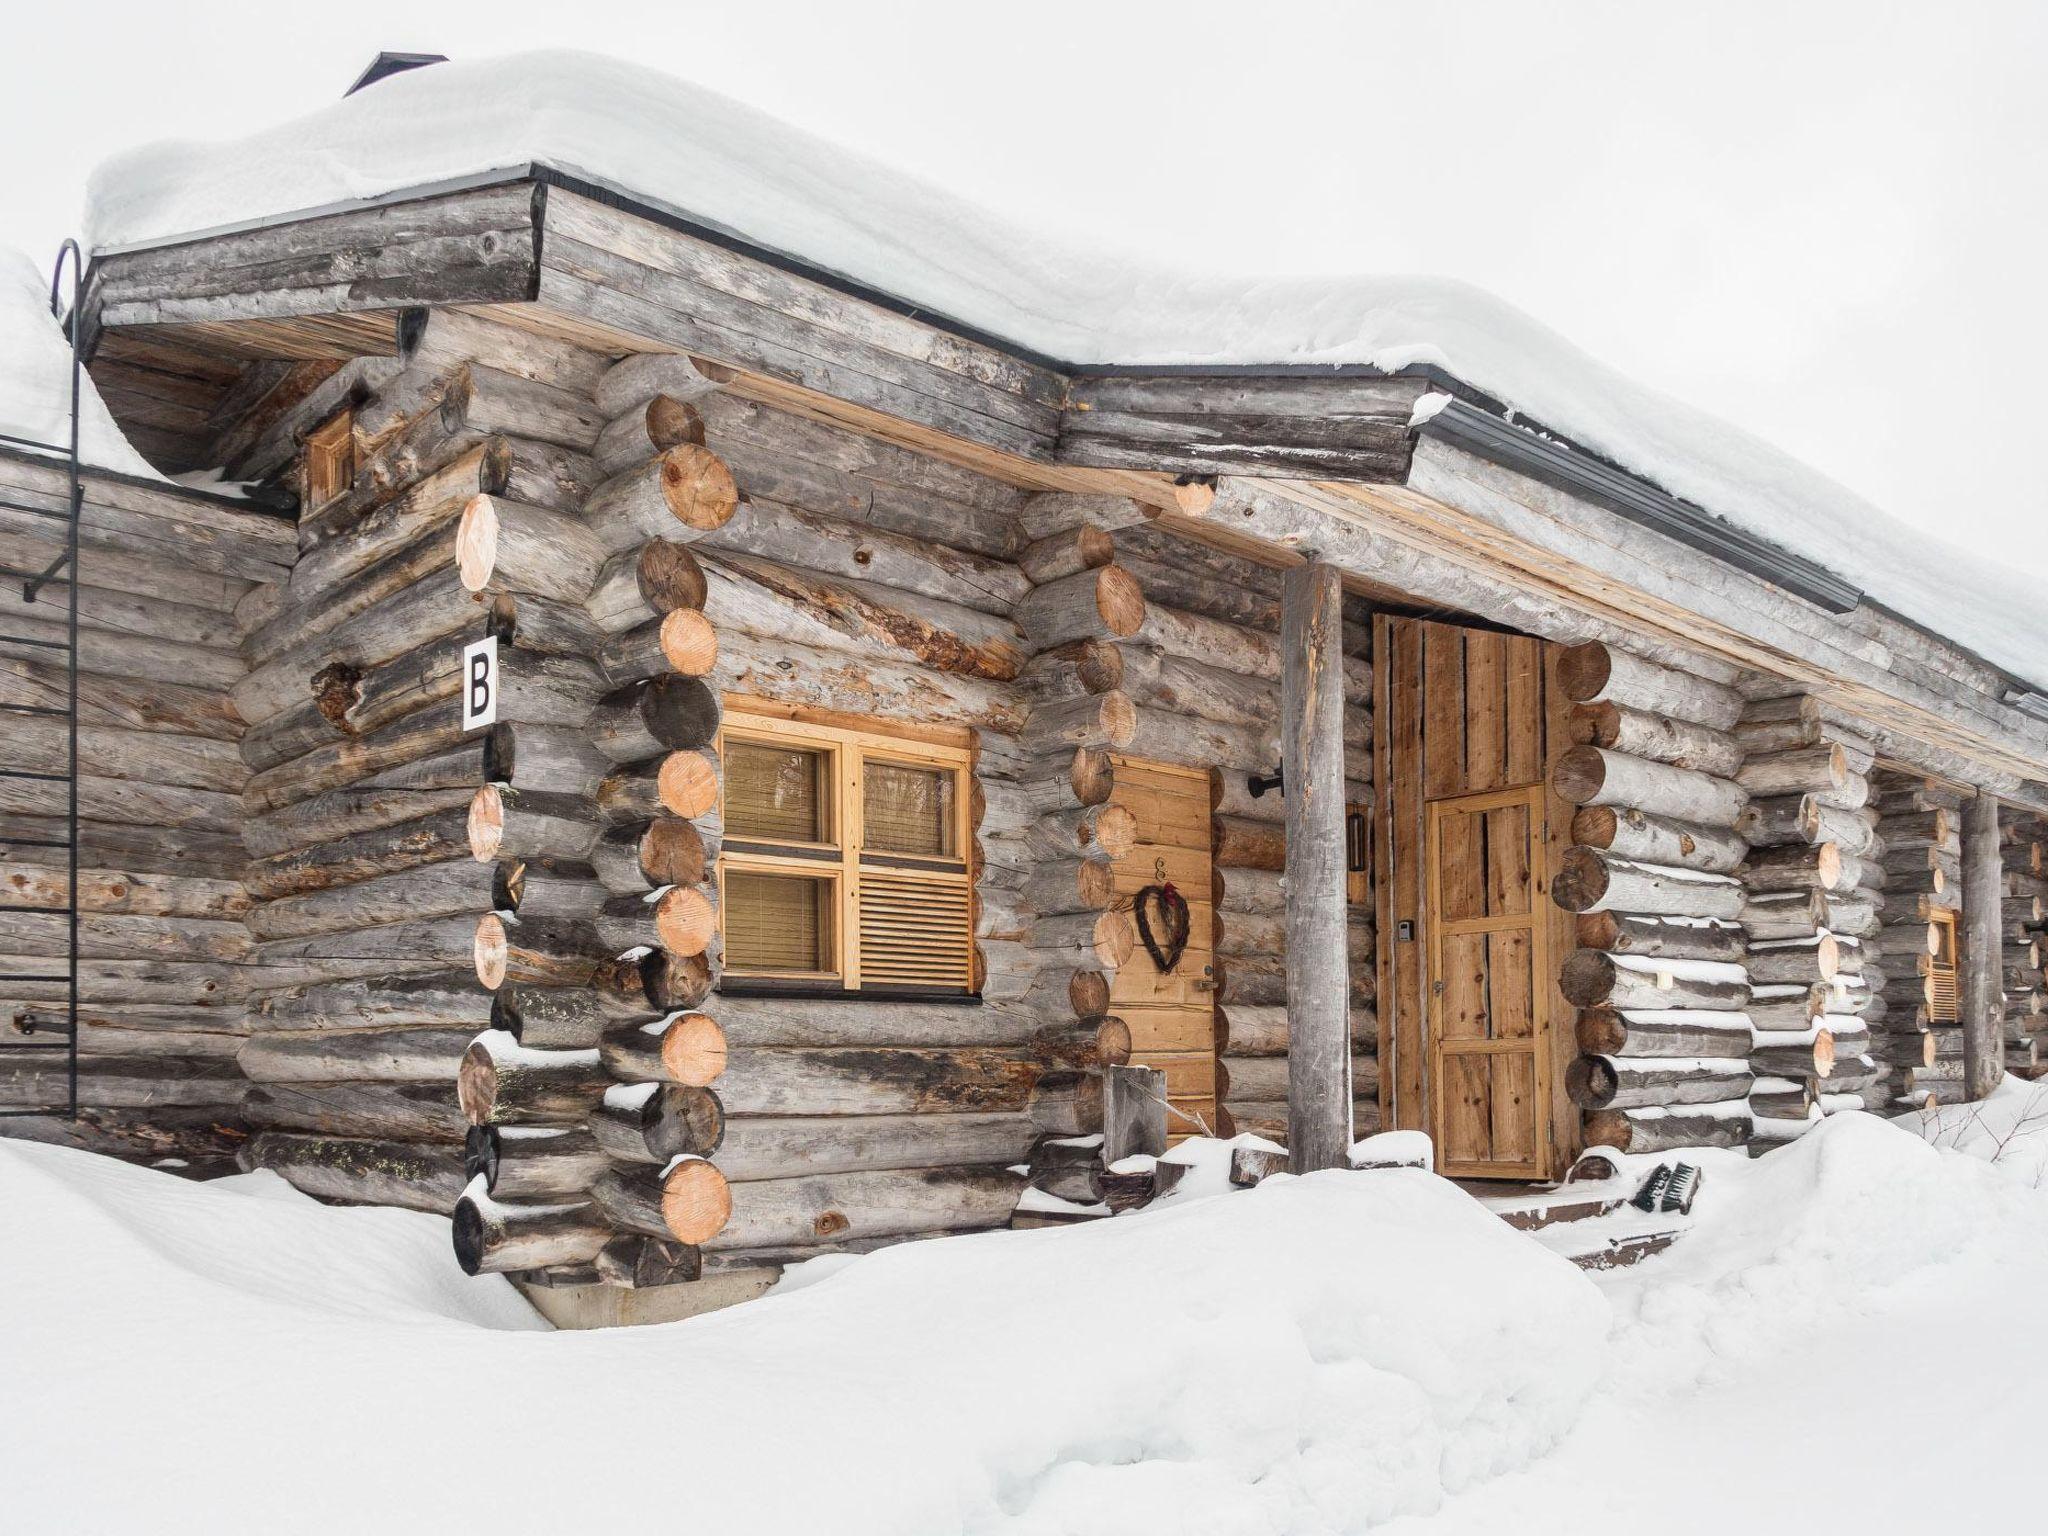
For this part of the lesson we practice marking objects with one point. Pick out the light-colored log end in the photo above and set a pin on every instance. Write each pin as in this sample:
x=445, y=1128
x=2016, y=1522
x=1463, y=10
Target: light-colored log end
x=696, y=1201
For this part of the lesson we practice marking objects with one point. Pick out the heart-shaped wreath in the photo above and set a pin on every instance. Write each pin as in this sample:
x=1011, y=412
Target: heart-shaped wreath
x=1173, y=923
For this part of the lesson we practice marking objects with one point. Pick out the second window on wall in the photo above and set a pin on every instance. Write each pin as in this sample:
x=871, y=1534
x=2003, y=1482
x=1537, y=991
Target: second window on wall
x=844, y=864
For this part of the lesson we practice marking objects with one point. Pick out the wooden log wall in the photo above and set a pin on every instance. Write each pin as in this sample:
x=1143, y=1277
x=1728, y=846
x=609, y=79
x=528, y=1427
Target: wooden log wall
x=853, y=581
x=1816, y=902
x=1662, y=979
x=361, y=814
x=1203, y=672
x=1915, y=1039
x=2024, y=908
x=164, y=956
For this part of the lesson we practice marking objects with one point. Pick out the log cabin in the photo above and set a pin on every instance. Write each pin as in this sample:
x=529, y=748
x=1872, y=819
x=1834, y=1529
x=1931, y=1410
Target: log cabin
x=610, y=709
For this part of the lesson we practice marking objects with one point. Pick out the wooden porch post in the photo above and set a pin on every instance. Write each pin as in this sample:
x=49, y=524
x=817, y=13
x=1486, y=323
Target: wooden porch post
x=1312, y=760
x=1982, y=981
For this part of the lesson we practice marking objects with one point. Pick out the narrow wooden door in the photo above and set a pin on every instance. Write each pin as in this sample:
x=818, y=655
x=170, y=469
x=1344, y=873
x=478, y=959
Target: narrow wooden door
x=1474, y=1036
x=1171, y=1014
x=1489, y=959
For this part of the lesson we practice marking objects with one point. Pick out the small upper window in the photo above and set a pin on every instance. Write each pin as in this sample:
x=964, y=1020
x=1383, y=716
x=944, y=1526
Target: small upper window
x=330, y=460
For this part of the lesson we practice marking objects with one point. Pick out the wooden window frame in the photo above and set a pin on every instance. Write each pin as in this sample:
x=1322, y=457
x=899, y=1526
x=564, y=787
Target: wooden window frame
x=329, y=467
x=847, y=748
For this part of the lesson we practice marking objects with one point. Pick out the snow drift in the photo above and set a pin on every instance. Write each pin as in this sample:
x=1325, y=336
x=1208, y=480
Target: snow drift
x=1321, y=1353
x=35, y=378
x=733, y=167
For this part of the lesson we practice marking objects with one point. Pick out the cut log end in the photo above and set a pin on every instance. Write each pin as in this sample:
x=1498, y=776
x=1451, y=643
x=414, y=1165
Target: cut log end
x=476, y=1085
x=672, y=423
x=672, y=852
x=696, y=1201
x=476, y=543
x=669, y=576
x=491, y=952
x=1119, y=600
x=1115, y=830
x=1579, y=773
x=486, y=823
x=688, y=641
x=693, y=1050
x=687, y=783
x=698, y=487
x=686, y=920
x=1583, y=670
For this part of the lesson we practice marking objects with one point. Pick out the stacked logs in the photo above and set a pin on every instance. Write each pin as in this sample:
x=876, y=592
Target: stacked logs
x=817, y=1124
x=357, y=807
x=1054, y=838
x=1815, y=898
x=1180, y=663
x=2023, y=906
x=1661, y=977
x=163, y=967
x=1915, y=1032
x=589, y=1103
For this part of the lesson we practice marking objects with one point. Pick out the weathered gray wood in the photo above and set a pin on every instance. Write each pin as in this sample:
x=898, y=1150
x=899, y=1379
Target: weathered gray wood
x=1981, y=976
x=1133, y=1113
x=1588, y=775
x=1312, y=733
x=497, y=1237
x=1633, y=834
x=757, y=1147
x=1661, y=1032
x=423, y=1176
x=851, y=1206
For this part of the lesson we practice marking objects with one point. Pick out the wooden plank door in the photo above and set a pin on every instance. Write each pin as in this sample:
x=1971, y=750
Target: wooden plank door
x=1172, y=1014
x=1488, y=960
x=1460, y=715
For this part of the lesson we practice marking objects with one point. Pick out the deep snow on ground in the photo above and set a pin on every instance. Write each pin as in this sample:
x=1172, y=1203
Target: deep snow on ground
x=1331, y=1351
x=742, y=170
x=1844, y=1340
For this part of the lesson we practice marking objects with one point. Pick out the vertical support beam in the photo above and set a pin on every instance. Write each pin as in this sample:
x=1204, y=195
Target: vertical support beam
x=1982, y=982
x=1318, y=976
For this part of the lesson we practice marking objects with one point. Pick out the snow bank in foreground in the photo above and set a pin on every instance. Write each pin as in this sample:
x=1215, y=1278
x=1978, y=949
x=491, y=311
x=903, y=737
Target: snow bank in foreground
x=1847, y=1313
x=2009, y=1129
x=35, y=376
x=777, y=186
x=1322, y=1353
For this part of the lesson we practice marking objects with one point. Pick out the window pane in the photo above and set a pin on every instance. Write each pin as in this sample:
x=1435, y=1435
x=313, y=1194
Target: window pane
x=778, y=923
x=908, y=810
x=777, y=794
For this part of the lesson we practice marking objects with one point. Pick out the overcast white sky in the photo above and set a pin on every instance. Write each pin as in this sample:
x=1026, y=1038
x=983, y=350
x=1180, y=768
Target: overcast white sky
x=1826, y=221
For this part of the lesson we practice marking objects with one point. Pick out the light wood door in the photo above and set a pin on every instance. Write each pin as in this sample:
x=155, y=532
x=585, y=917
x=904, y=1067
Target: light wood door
x=1488, y=962
x=1171, y=1014
x=1465, y=723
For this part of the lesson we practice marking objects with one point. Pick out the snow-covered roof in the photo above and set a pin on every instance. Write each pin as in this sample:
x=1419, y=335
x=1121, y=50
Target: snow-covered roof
x=35, y=378
x=730, y=165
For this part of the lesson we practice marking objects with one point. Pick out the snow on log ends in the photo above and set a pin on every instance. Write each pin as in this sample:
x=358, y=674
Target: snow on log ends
x=1351, y=1341
x=733, y=166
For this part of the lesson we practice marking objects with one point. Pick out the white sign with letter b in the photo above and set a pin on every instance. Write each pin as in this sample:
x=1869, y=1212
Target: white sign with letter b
x=480, y=684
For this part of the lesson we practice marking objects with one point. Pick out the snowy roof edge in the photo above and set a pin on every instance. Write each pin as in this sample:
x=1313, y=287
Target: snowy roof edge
x=1533, y=446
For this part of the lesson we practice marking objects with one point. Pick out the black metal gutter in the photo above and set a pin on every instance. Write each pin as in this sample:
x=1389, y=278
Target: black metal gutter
x=1557, y=462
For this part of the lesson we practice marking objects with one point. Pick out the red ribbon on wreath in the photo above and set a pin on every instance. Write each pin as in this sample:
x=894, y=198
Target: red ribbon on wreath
x=1173, y=921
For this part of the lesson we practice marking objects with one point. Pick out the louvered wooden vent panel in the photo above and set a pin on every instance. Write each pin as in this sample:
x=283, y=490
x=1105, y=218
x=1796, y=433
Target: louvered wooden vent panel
x=914, y=933
x=1943, y=1004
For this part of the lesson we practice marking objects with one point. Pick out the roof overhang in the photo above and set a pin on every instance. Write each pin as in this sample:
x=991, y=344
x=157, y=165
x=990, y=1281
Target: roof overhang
x=590, y=263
